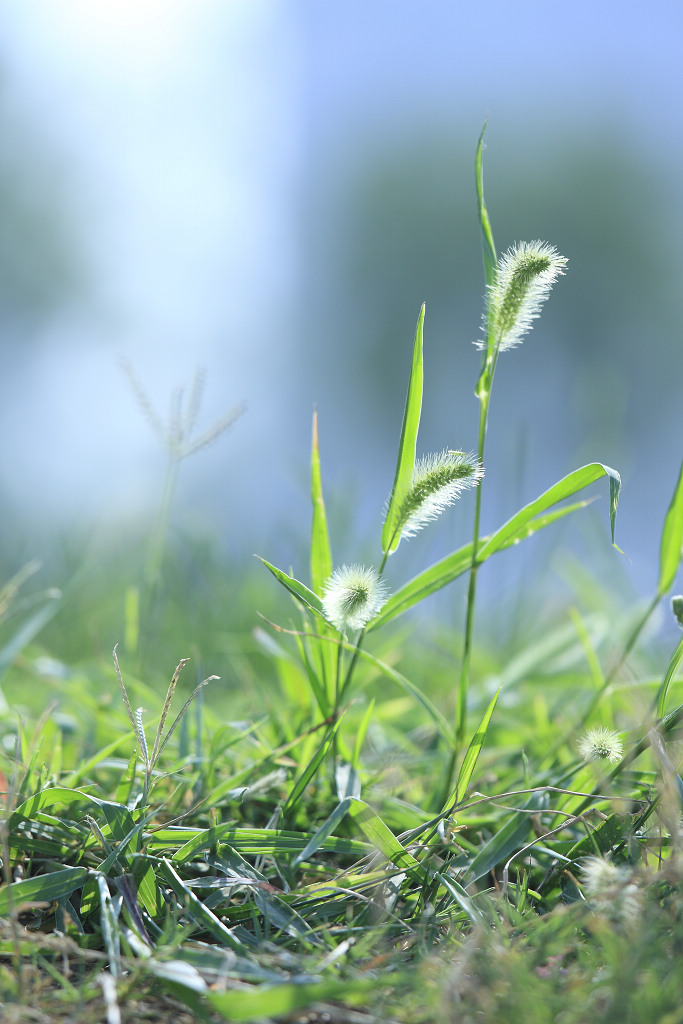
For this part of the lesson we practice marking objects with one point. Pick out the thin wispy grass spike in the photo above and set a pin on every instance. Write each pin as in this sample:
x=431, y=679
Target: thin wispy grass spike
x=353, y=595
x=438, y=481
x=140, y=730
x=178, y=717
x=124, y=694
x=167, y=705
x=177, y=432
x=601, y=744
x=524, y=276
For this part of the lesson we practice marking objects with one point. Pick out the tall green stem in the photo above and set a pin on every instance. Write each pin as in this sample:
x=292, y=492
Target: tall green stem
x=461, y=709
x=484, y=395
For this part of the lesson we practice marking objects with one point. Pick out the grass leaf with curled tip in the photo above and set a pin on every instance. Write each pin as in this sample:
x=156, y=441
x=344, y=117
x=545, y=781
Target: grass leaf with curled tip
x=405, y=464
x=671, y=548
x=564, y=488
x=454, y=565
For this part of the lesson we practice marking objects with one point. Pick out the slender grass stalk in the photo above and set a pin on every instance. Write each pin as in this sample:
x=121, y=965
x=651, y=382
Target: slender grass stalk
x=517, y=284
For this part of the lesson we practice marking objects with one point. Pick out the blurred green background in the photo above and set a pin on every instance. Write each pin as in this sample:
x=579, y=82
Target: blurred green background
x=270, y=189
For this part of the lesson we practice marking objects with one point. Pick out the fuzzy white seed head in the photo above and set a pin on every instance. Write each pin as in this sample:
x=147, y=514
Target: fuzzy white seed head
x=437, y=481
x=353, y=595
x=601, y=744
x=611, y=890
x=524, y=277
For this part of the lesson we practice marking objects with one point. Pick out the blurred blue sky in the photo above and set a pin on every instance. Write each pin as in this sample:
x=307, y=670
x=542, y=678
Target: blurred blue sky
x=197, y=161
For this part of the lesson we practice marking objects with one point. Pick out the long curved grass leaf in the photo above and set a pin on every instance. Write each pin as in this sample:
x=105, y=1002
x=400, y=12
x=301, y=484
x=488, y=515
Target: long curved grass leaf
x=405, y=464
x=439, y=720
x=671, y=548
x=454, y=565
x=325, y=830
x=258, y=841
x=564, y=488
x=42, y=888
x=266, y=1002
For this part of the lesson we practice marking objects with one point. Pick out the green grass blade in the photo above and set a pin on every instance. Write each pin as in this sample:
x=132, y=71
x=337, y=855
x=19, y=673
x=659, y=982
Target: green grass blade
x=28, y=630
x=449, y=568
x=383, y=839
x=250, y=842
x=436, y=716
x=321, y=553
x=321, y=570
x=565, y=488
x=405, y=463
x=488, y=247
x=325, y=830
x=671, y=547
x=196, y=909
x=266, y=1002
x=470, y=760
x=297, y=589
x=43, y=888
x=309, y=771
x=676, y=659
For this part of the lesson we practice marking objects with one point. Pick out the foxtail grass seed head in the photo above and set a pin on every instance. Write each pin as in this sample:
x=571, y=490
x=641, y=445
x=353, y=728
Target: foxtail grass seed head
x=611, y=890
x=677, y=608
x=437, y=481
x=353, y=595
x=601, y=744
x=524, y=277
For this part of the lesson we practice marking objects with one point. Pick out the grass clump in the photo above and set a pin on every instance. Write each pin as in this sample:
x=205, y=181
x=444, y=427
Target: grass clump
x=359, y=830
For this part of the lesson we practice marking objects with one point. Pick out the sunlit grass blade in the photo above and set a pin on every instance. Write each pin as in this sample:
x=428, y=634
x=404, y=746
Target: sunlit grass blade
x=325, y=654
x=321, y=553
x=671, y=547
x=564, y=488
x=454, y=565
x=325, y=830
x=43, y=888
x=257, y=842
x=260, y=1003
x=383, y=839
x=404, y=683
x=204, y=917
x=309, y=771
x=299, y=590
x=472, y=755
x=405, y=464
x=676, y=658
